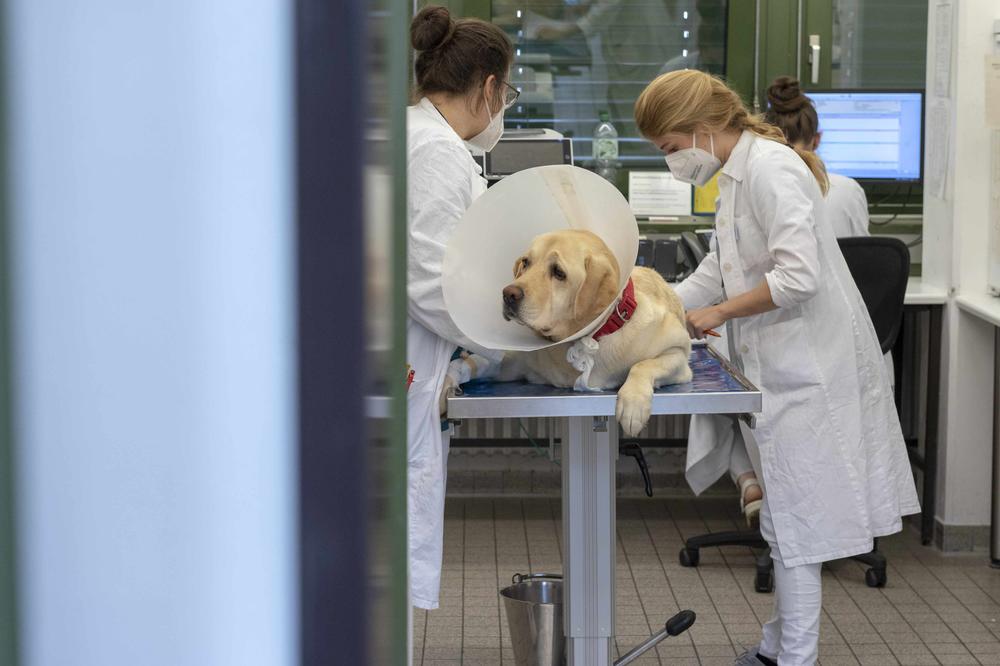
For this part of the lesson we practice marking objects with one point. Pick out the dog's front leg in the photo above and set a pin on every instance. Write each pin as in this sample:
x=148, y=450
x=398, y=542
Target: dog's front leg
x=475, y=366
x=635, y=397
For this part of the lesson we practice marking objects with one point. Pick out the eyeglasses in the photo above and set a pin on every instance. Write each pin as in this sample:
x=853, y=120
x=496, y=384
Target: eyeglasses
x=510, y=95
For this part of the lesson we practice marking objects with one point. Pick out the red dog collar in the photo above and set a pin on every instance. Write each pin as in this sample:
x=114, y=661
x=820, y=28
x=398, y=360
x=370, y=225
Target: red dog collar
x=624, y=309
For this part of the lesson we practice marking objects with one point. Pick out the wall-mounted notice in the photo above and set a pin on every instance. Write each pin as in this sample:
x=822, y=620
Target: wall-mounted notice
x=993, y=91
x=704, y=197
x=938, y=147
x=942, y=48
x=658, y=194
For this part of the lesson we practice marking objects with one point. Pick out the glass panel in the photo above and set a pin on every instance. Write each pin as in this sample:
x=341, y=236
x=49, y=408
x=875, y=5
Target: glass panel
x=385, y=227
x=8, y=545
x=575, y=59
x=879, y=43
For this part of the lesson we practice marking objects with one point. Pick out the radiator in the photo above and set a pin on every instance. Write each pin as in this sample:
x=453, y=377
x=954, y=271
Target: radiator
x=660, y=427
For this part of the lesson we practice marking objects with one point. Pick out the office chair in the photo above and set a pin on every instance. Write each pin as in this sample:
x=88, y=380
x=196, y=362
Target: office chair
x=692, y=248
x=880, y=267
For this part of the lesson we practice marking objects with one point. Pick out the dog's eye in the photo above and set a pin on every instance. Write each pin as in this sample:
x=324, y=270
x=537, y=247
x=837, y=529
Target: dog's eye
x=522, y=265
x=558, y=273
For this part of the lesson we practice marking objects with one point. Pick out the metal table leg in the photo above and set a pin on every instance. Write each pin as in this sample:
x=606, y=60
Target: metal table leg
x=931, y=426
x=589, y=453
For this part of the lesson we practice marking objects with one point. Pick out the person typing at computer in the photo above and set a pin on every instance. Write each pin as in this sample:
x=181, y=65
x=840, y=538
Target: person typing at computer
x=795, y=114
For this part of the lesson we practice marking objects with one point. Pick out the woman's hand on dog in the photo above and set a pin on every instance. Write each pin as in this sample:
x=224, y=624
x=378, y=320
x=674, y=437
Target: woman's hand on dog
x=704, y=319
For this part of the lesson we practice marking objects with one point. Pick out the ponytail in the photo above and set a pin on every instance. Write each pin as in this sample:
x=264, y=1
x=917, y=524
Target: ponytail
x=762, y=128
x=686, y=100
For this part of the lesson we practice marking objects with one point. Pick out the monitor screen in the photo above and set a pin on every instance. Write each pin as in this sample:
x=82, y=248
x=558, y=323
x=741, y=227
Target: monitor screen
x=871, y=134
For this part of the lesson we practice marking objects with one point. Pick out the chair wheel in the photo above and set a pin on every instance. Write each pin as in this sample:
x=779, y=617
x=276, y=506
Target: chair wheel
x=875, y=578
x=764, y=582
x=689, y=557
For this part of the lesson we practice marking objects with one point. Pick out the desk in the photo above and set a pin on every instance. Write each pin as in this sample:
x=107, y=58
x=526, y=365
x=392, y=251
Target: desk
x=984, y=306
x=922, y=298
x=589, y=454
x=919, y=292
x=987, y=307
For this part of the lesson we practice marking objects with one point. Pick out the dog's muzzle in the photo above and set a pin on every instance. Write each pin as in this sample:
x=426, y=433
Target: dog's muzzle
x=512, y=297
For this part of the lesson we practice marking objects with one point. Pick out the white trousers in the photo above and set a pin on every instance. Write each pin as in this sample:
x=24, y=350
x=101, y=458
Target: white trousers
x=791, y=636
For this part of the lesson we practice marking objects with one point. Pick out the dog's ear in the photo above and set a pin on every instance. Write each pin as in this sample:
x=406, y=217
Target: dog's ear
x=599, y=286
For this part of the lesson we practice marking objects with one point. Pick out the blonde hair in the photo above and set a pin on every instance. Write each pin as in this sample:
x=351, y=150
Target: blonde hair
x=688, y=100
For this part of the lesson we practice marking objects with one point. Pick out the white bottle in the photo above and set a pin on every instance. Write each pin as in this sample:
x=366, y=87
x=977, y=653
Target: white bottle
x=605, y=143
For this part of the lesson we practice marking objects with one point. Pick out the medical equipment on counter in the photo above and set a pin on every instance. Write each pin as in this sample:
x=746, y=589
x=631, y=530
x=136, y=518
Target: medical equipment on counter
x=665, y=259
x=521, y=149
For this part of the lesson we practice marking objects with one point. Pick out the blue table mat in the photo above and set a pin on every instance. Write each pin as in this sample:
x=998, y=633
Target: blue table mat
x=709, y=377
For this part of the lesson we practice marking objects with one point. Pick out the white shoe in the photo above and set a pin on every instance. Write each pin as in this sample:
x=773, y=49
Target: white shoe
x=748, y=658
x=751, y=510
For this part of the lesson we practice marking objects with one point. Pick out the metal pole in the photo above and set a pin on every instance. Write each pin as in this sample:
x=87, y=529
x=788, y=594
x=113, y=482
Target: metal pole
x=798, y=44
x=589, y=453
x=640, y=649
x=932, y=409
x=756, y=58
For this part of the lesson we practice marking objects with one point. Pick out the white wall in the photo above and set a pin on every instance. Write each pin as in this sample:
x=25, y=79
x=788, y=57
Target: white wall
x=955, y=257
x=150, y=169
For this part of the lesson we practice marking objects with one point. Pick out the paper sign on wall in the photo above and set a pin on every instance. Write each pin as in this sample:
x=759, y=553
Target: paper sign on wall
x=938, y=147
x=993, y=91
x=704, y=197
x=658, y=194
x=943, y=40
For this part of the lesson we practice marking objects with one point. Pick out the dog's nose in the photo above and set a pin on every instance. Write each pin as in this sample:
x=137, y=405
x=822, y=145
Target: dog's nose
x=512, y=295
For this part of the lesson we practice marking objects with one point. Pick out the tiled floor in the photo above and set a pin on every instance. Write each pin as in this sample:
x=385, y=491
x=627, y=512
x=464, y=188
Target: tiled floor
x=935, y=609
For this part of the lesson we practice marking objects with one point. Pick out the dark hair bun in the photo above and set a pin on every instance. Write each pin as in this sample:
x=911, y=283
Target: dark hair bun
x=431, y=28
x=785, y=96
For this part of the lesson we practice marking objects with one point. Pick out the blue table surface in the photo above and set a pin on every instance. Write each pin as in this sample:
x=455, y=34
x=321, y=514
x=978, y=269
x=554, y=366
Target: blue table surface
x=709, y=377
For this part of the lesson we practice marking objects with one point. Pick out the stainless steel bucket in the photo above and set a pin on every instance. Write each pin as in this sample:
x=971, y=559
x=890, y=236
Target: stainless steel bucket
x=534, y=606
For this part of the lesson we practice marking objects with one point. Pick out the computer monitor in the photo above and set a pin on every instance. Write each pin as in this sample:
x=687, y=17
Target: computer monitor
x=871, y=134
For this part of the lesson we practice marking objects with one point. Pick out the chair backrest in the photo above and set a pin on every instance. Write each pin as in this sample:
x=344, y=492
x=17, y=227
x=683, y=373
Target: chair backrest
x=693, y=248
x=880, y=267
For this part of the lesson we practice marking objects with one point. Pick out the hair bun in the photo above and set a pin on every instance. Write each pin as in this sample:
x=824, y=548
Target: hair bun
x=431, y=28
x=785, y=95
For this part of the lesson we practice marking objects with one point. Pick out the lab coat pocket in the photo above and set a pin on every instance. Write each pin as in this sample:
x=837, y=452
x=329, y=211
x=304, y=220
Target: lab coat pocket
x=750, y=242
x=788, y=363
x=422, y=420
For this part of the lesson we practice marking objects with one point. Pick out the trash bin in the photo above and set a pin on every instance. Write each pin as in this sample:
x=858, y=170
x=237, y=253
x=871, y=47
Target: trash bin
x=534, y=606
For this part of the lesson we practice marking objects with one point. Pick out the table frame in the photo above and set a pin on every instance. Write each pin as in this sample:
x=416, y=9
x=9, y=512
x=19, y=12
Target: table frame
x=589, y=457
x=927, y=462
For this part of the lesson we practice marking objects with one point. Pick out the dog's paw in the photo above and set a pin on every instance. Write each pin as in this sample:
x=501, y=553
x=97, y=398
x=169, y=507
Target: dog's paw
x=449, y=389
x=632, y=409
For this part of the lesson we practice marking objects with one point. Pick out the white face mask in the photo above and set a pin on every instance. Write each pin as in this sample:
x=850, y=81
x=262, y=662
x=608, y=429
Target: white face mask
x=489, y=137
x=694, y=165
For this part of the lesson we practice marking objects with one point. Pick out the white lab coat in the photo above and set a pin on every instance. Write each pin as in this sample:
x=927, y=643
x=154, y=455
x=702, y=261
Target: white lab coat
x=443, y=180
x=847, y=213
x=847, y=207
x=831, y=452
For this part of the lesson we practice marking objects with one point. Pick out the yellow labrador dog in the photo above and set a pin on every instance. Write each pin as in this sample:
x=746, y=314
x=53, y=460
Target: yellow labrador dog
x=564, y=281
